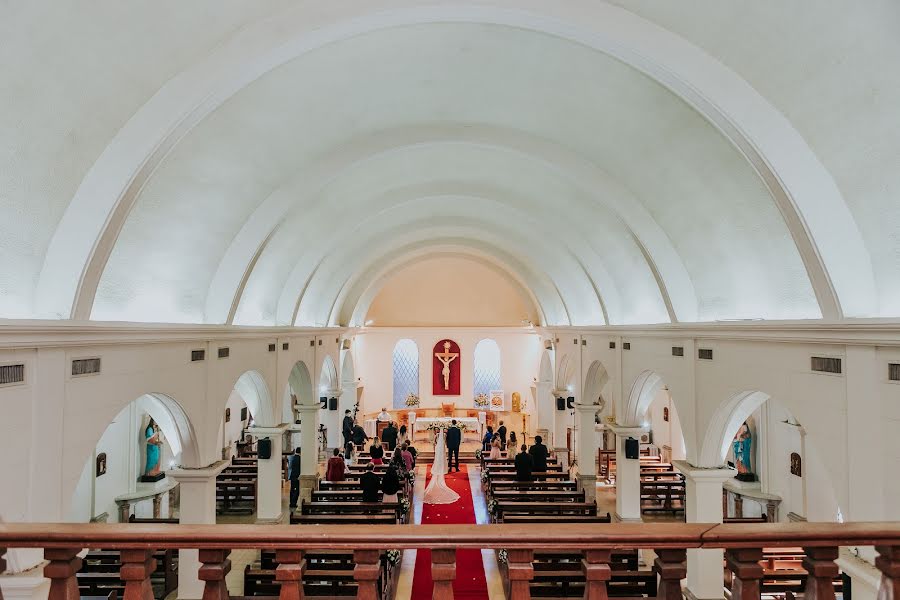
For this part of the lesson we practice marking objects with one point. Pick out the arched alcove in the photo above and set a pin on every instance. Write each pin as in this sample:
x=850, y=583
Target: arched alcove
x=405, y=371
x=642, y=394
x=253, y=389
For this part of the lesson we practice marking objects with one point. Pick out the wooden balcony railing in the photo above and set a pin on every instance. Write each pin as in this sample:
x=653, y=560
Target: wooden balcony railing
x=743, y=546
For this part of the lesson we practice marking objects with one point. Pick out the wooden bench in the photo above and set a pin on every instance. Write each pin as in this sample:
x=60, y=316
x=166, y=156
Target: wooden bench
x=762, y=519
x=152, y=521
x=100, y=573
x=560, y=575
x=533, y=485
x=505, y=508
x=539, y=495
x=539, y=476
x=607, y=518
x=344, y=519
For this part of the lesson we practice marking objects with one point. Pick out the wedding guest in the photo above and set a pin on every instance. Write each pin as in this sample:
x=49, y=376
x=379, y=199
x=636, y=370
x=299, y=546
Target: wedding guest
x=524, y=465
x=370, y=484
x=539, y=454
x=336, y=467
x=488, y=438
x=359, y=435
x=376, y=451
x=389, y=436
x=390, y=484
x=501, y=431
x=408, y=459
x=402, y=436
x=348, y=453
x=495, y=447
x=398, y=461
x=294, y=477
x=347, y=427
x=512, y=440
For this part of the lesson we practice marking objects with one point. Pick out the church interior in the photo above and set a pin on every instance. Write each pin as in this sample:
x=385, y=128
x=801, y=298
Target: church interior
x=430, y=299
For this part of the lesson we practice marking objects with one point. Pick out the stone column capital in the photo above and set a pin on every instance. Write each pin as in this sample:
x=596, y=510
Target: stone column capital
x=259, y=432
x=307, y=408
x=625, y=431
x=202, y=474
x=700, y=475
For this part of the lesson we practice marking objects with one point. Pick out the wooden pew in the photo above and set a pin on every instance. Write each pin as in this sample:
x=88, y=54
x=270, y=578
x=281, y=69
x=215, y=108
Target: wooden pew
x=540, y=476
x=506, y=508
x=539, y=495
x=559, y=575
x=99, y=574
x=533, y=485
x=607, y=518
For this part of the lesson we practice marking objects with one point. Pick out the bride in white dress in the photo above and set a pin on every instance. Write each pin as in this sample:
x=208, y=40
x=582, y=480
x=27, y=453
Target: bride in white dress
x=437, y=491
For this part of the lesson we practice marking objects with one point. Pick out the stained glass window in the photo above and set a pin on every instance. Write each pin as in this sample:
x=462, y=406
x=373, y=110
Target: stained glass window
x=406, y=371
x=487, y=367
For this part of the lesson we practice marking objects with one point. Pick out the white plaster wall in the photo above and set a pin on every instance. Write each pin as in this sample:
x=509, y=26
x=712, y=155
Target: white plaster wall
x=520, y=351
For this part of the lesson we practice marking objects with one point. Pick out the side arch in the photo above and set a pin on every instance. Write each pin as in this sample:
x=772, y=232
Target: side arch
x=644, y=389
x=253, y=389
x=724, y=425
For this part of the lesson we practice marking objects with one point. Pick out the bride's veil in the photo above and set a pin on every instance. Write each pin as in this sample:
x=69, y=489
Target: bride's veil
x=438, y=492
x=440, y=456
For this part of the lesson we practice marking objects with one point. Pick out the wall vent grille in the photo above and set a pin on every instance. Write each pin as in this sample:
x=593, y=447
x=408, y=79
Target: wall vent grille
x=85, y=366
x=677, y=350
x=273, y=347
x=285, y=346
x=224, y=352
x=198, y=355
x=824, y=364
x=894, y=372
x=12, y=374
x=312, y=343
x=612, y=345
x=626, y=345
x=705, y=354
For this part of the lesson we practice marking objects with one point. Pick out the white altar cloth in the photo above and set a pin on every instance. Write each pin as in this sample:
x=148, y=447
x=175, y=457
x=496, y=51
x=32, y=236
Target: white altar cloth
x=473, y=427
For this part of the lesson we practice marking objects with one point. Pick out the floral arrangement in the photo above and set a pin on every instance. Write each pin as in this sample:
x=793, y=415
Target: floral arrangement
x=481, y=400
x=410, y=477
x=394, y=557
x=412, y=399
x=405, y=505
x=436, y=426
x=478, y=454
x=503, y=556
x=492, y=507
x=484, y=475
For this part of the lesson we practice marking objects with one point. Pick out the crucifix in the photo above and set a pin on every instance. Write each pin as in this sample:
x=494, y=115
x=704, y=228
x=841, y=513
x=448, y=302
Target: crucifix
x=446, y=357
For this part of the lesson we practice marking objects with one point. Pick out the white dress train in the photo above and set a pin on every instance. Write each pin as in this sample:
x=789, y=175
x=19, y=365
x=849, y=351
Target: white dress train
x=437, y=491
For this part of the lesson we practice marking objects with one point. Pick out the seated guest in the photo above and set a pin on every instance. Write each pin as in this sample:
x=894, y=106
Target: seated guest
x=359, y=435
x=539, y=454
x=408, y=459
x=370, y=484
x=389, y=436
x=335, y=468
x=488, y=438
x=398, y=462
x=390, y=484
x=376, y=451
x=524, y=465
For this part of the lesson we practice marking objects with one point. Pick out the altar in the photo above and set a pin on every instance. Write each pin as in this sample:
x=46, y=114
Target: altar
x=473, y=426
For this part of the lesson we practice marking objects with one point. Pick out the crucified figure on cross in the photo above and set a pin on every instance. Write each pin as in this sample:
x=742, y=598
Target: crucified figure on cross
x=446, y=357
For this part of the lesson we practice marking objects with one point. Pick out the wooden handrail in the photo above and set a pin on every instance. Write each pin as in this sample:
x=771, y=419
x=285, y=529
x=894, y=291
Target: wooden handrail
x=510, y=536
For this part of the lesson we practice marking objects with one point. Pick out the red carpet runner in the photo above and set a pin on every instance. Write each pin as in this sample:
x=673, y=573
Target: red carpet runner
x=470, y=580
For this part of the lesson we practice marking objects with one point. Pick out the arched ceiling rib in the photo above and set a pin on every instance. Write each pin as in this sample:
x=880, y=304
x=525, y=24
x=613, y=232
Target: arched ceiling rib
x=808, y=226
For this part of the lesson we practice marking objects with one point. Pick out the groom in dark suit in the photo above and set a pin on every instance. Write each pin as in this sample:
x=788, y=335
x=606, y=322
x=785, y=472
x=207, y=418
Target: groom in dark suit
x=454, y=438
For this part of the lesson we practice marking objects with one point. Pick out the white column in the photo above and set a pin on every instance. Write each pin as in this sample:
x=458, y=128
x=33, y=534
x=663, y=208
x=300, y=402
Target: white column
x=586, y=450
x=628, y=475
x=198, y=507
x=269, y=476
x=309, y=449
x=704, y=505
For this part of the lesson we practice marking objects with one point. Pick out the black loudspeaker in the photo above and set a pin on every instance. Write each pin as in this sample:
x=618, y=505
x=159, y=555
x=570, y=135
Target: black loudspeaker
x=570, y=402
x=632, y=448
x=560, y=404
x=332, y=404
x=264, y=448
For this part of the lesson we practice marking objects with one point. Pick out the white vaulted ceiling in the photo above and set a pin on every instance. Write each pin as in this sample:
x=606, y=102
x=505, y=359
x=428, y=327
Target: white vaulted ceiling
x=275, y=163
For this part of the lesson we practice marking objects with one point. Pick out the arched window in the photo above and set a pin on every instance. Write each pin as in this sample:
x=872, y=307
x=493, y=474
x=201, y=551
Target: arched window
x=406, y=371
x=487, y=367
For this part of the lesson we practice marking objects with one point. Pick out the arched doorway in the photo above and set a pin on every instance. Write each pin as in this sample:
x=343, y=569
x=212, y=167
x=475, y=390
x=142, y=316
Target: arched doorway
x=759, y=435
x=545, y=404
x=120, y=458
x=299, y=391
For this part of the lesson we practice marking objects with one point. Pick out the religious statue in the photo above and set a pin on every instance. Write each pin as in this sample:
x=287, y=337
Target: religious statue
x=516, y=402
x=742, y=445
x=153, y=441
x=446, y=357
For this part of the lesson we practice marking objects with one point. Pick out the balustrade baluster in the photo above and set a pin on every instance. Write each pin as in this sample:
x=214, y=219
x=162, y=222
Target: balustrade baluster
x=366, y=573
x=64, y=563
x=137, y=566
x=443, y=572
x=744, y=564
x=888, y=562
x=671, y=566
x=290, y=570
x=521, y=572
x=819, y=564
x=2, y=566
x=595, y=565
x=215, y=565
